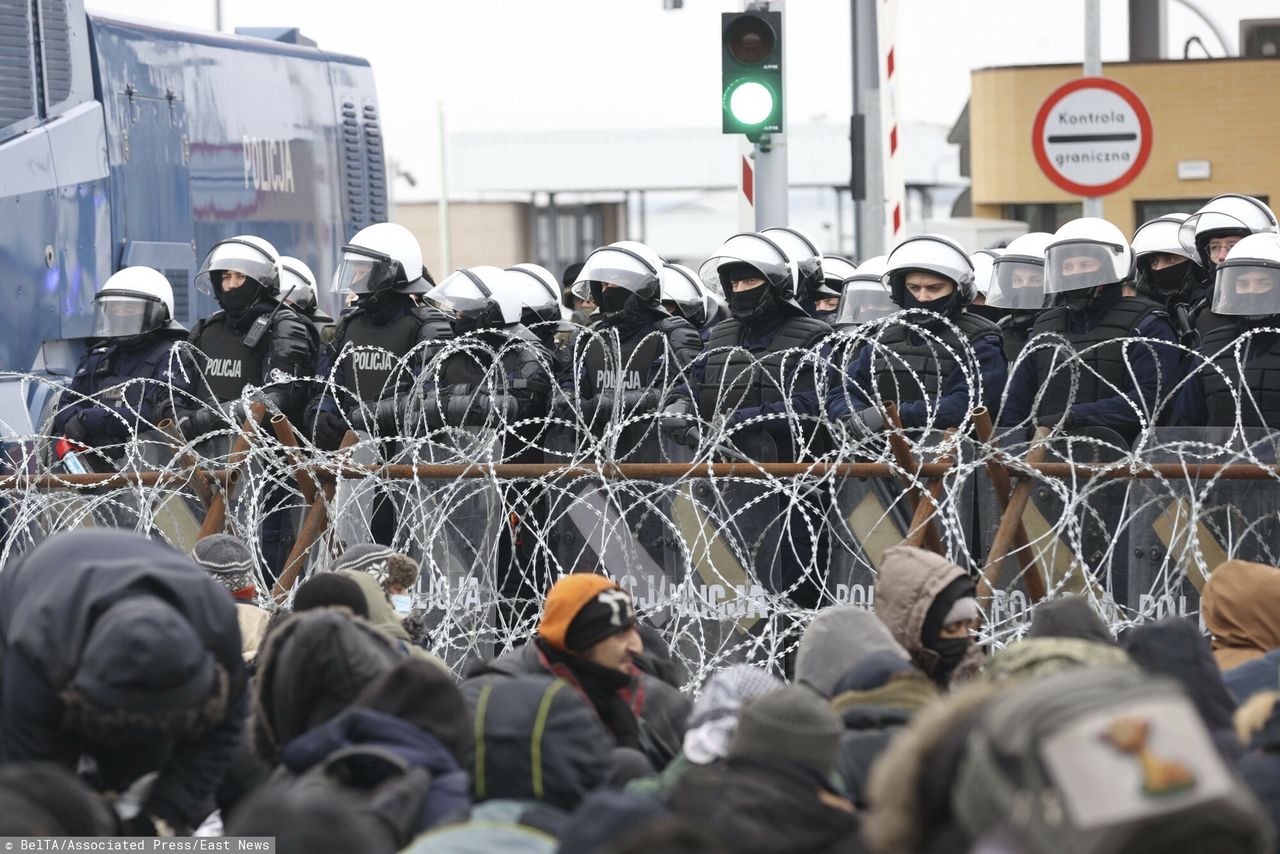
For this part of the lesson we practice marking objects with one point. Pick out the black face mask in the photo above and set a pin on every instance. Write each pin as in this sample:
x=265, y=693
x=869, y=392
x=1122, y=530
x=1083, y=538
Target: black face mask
x=942, y=306
x=1170, y=280
x=826, y=316
x=752, y=304
x=1079, y=299
x=1255, y=305
x=951, y=651
x=614, y=301
x=241, y=298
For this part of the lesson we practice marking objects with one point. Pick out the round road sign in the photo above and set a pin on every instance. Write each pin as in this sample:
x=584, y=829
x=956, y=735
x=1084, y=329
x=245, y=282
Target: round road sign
x=1092, y=136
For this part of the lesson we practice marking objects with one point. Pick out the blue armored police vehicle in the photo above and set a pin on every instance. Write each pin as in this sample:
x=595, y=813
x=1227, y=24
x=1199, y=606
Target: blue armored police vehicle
x=131, y=143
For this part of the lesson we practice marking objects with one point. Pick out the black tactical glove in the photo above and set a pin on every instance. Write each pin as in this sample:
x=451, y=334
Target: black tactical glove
x=75, y=429
x=639, y=401
x=381, y=418
x=199, y=423
x=330, y=428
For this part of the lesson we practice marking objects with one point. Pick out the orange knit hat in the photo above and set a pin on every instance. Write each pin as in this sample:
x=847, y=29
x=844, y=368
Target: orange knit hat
x=566, y=599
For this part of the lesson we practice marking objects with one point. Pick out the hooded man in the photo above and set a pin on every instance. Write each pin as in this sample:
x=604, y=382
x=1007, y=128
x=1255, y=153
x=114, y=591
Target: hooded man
x=1240, y=605
x=928, y=604
x=774, y=793
x=587, y=636
x=118, y=648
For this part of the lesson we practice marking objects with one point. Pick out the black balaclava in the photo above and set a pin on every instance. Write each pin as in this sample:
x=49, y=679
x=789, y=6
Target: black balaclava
x=950, y=651
x=241, y=299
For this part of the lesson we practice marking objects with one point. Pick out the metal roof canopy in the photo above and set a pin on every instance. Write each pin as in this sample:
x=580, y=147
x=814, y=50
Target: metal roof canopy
x=661, y=159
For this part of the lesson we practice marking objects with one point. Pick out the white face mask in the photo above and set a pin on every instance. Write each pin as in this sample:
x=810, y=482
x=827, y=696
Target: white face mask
x=403, y=603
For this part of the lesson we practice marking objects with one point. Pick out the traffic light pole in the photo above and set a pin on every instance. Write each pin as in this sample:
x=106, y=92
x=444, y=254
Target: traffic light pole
x=770, y=154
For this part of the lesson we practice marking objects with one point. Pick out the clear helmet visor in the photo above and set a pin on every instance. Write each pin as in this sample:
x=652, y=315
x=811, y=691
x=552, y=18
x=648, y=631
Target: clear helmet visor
x=234, y=257
x=744, y=251
x=1076, y=265
x=460, y=298
x=120, y=314
x=1017, y=283
x=863, y=301
x=1247, y=289
x=361, y=273
x=610, y=266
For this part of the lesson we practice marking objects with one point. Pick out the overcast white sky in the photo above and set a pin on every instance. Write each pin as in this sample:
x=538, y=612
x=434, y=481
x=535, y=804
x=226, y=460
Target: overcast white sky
x=548, y=64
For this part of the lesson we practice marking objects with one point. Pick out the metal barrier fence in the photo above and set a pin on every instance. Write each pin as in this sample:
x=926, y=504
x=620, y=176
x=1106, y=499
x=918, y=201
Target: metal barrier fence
x=725, y=554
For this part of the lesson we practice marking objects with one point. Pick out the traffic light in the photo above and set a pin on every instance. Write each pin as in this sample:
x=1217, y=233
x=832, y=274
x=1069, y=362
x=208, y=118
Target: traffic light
x=751, y=61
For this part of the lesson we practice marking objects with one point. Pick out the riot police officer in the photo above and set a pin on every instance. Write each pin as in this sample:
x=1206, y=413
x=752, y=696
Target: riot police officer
x=298, y=284
x=625, y=363
x=544, y=314
x=254, y=340
x=382, y=266
x=1017, y=289
x=135, y=336
x=486, y=310
x=685, y=295
x=1223, y=221
x=863, y=295
x=1166, y=273
x=762, y=363
x=836, y=270
x=927, y=356
x=1237, y=372
x=801, y=249
x=1118, y=383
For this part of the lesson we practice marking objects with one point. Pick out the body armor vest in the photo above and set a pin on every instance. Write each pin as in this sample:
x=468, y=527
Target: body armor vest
x=626, y=369
x=735, y=379
x=1101, y=368
x=908, y=366
x=229, y=365
x=1258, y=372
x=367, y=371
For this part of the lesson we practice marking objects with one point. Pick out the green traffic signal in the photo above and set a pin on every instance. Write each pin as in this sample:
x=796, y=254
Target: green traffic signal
x=751, y=65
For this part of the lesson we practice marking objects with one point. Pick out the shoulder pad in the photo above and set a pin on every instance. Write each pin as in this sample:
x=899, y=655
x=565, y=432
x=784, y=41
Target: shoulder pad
x=806, y=328
x=975, y=325
x=726, y=333
x=434, y=326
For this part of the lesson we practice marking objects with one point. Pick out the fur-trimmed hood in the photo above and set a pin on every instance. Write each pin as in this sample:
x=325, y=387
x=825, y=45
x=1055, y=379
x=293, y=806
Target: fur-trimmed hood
x=311, y=667
x=903, y=816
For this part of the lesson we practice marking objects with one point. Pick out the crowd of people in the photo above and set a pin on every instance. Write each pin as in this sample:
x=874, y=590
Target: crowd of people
x=147, y=692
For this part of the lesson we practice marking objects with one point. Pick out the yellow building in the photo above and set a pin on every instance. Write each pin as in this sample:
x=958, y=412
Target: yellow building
x=1219, y=113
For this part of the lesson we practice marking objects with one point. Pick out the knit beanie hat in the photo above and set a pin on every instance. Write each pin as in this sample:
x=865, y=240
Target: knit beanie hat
x=228, y=560
x=326, y=589
x=384, y=564
x=583, y=609
x=142, y=655
x=792, y=724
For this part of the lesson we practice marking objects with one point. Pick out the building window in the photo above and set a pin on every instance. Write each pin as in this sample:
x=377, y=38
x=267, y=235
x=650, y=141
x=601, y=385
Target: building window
x=1044, y=217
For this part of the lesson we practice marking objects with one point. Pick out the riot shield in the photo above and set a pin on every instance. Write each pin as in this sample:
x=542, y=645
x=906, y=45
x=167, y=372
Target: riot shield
x=1077, y=531
x=1183, y=527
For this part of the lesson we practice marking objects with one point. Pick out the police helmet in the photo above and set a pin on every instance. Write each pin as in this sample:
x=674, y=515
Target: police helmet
x=1247, y=282
x=246, y=254
x=539, y=290
x=1229, y=215
x=753, y=253
x=1017, y=275
x=864, y=297
x=628, y=265
x=836, y=270
x=802, y=250
x=1085, y=253
x=929, y=253
x=297, y=284
x=478, y=298
x=134, y=301
x=983, y=265
x=380, y=258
